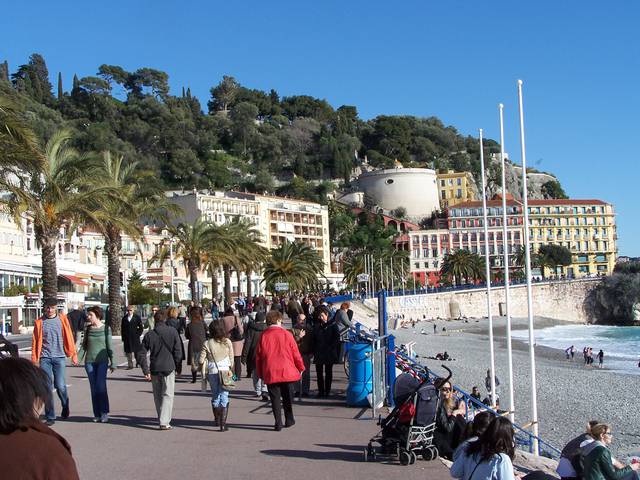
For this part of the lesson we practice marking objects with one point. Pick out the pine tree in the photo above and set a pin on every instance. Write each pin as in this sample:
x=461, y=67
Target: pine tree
x=182, y=92
x=60, y=92
x=188, y=92
x=76, y=83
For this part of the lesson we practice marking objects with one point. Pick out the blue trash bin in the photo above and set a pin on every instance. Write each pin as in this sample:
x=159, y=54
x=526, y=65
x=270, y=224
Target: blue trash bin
x=360, y=374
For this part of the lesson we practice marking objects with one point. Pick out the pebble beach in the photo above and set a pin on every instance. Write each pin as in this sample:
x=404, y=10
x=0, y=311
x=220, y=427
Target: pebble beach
x=569, y=394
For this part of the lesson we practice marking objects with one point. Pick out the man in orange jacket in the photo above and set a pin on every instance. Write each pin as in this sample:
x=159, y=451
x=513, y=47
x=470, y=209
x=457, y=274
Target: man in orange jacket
x=51, y=343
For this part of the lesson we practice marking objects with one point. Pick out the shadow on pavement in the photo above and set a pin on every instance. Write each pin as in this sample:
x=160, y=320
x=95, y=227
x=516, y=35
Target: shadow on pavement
x=342, y=456
x=353, y=448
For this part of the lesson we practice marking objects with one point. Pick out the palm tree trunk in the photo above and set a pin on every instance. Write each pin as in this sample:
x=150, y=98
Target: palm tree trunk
x=226, y=271
x=193, y=283
x=249, y=292
x=214, y=283
x=238, y=272
x=49, y=267
x=112, y=246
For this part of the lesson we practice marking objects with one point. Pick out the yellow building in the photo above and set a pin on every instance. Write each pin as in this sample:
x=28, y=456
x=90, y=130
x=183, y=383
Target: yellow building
x=586, y=227
x=455, y=188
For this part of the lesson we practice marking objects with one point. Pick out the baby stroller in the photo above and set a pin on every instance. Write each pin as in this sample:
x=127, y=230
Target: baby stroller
x=408, y=430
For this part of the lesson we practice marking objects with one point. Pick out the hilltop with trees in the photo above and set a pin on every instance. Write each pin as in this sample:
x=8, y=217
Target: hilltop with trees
x=243, y=138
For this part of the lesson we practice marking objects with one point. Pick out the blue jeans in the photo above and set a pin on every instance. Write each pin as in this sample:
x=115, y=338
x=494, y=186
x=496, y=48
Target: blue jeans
x=97, y=373
x=55, y=368
x=219, y=397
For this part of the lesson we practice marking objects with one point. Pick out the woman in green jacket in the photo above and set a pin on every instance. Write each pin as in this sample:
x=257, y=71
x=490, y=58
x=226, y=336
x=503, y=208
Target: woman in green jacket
x=98, y=357
x=597, y=461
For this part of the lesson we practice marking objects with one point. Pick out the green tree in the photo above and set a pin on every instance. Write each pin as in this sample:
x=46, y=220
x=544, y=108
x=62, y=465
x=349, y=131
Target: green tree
x=58, y=194
x=553, y=189
x=33, y=79
x=294, y=263
x=462, y=266
x=554, y=256
x=223, y=95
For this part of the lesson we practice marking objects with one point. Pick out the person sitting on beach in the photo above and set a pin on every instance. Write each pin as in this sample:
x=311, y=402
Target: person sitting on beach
x=450, y=421
x=569, y=465
x=597, y=461
x=475, y=393
x=487, y=382
x=490, y=457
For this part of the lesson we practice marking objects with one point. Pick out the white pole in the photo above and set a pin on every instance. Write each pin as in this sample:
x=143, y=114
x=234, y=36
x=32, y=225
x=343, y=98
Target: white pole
x=487, y=269
x=392, y=275
x=171, y=262
x=525, y=206
x=505, y=246
x=404, y=278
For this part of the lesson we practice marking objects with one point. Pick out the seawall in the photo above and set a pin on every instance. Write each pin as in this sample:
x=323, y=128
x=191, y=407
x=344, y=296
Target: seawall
x=563, y=300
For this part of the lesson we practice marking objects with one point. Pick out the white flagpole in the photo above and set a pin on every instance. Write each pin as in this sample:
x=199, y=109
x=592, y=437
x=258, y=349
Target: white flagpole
x=505, y=246
x=487, y=269
x=525, y=206
x=392, y=275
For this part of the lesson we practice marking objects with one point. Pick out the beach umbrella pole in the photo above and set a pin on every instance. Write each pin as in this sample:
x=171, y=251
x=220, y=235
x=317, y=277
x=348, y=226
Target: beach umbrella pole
x=525, y=207
x=487, y=269
x=505, y=247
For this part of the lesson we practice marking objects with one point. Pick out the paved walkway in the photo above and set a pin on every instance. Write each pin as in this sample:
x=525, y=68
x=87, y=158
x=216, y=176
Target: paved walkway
x=326, y=443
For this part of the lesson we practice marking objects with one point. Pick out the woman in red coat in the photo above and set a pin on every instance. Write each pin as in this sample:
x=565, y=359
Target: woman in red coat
x=279, y=365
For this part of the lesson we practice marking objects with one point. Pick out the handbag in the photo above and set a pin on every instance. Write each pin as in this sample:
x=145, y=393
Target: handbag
x=227, y=377
x=234, y=334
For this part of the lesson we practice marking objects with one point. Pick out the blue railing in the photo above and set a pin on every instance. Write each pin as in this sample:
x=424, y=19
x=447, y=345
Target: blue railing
x=524, y=438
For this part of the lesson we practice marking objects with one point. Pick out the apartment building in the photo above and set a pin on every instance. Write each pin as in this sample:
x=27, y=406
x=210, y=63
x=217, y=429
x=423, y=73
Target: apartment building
x=277, y=219
x=455, y=188
x=586, y=227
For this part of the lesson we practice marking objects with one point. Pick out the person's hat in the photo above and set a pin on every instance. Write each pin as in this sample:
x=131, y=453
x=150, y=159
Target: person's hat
x=50, y=302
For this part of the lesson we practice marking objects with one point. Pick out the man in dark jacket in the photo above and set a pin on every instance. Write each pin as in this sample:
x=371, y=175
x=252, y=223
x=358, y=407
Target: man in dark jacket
x=326, y=350
x=251, y=340
x=164, y=346
x=77, y=319
x=131, y=328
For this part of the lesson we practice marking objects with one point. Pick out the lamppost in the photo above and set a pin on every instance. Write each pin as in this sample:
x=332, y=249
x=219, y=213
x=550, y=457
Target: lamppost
x=171, y=264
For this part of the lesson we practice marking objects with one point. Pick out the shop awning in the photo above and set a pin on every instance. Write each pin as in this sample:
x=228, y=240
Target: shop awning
x=73, y=279
x=99, y=278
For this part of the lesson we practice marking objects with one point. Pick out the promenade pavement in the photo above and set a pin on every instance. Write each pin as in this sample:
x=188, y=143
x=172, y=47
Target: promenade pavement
x=327, y=441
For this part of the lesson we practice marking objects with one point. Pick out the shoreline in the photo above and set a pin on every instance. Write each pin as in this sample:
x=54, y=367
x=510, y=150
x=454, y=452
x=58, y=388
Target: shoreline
x=569, y=394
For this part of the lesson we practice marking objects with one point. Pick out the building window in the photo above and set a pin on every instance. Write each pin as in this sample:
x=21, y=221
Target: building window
x=459, y=181
x=443, y=194
x=442, y=183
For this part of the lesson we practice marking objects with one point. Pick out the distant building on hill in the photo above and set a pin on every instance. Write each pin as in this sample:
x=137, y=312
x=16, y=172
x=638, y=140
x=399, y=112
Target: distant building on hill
x=413, y=189
x=456, y=187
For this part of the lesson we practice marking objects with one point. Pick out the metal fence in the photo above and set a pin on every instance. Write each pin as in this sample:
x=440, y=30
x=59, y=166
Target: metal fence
x=524, y=438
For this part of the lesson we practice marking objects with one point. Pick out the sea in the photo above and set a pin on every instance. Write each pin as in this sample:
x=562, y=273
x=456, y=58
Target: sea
x=621, y=345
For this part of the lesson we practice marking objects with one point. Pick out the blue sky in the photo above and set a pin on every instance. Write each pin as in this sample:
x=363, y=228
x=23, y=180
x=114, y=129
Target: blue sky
x=456, y=60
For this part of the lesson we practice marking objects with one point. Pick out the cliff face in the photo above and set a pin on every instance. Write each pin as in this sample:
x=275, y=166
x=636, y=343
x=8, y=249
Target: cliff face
x=513, y=177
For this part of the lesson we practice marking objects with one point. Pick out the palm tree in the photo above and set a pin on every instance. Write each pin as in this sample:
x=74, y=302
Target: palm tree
x=18, y=143
x=120, y=215
x=297, y=264
x=59, y=193
x=462, y=265
x=194, y=244
x=247, y=253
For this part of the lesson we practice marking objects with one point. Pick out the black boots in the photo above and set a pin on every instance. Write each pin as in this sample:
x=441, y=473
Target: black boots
x=224, y=411
x=193, y=377
x=216, y=415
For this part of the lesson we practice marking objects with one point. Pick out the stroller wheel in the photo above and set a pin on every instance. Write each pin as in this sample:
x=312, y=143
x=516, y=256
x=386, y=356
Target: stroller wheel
x=427, y=454
x=366, y=454
x=404, y=457
x=413, y=458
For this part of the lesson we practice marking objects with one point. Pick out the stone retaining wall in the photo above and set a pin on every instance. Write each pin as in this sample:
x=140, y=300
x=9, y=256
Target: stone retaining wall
x=560, y=300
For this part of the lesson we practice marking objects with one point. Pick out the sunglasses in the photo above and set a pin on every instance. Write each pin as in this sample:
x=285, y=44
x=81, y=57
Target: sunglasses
x=446, y=389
